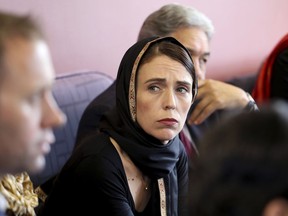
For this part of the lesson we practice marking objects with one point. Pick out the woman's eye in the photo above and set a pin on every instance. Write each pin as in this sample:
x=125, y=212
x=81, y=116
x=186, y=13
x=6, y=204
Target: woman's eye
x=153, y=88
x=182, y=89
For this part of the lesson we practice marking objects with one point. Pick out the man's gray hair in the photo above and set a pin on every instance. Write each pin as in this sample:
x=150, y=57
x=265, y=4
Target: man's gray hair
x=171, y=17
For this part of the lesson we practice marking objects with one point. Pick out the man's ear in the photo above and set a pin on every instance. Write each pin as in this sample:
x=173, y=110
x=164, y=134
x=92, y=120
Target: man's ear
x=276, y=207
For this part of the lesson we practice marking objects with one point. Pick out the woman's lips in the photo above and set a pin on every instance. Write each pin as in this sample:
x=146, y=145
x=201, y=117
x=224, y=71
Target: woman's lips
x=168, y=121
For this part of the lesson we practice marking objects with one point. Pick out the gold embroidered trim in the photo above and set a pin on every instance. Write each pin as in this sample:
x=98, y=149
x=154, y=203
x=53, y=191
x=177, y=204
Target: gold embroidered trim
x=132, y=91
x=41, y=194
x=162, y=191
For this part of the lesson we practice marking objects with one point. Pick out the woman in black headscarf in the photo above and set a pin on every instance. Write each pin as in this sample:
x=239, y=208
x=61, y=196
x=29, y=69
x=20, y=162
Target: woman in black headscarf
x=136, y=165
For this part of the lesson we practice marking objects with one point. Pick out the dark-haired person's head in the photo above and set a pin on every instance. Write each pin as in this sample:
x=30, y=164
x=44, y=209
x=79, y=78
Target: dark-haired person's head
x=242, y=169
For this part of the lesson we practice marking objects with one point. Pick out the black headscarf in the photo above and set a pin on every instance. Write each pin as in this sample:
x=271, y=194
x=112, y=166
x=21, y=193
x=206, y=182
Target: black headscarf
x=154, y=158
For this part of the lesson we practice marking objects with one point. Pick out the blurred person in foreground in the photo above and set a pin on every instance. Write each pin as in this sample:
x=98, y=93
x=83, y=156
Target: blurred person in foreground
x=243, y=166
x=28, y=111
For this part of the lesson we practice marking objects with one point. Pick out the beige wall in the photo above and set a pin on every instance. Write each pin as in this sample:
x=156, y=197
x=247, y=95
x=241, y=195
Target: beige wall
x=94, y=34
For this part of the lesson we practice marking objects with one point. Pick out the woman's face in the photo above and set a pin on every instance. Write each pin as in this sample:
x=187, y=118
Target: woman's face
x=164, y=96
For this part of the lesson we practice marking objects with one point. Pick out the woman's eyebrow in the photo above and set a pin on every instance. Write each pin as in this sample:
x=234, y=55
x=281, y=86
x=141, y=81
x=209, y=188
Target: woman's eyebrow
x=162, y=80
x=155, y=80
x=184, y=83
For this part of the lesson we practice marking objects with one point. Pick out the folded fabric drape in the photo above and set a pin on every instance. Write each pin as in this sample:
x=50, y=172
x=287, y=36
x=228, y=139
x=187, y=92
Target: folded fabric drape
x=262, y=89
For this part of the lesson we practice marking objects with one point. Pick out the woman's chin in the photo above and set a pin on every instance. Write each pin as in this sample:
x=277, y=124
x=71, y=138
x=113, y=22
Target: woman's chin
x=166, y=137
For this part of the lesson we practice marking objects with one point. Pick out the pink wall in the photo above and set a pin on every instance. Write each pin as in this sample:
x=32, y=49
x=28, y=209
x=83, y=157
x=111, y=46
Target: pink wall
x=93, y=35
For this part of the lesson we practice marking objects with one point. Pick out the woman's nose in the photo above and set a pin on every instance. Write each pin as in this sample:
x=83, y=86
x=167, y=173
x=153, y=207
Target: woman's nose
x=170, y=100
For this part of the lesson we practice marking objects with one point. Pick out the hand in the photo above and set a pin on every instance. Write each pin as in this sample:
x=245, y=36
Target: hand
x=215, y=95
